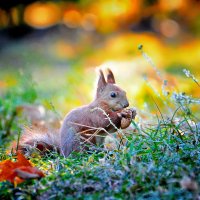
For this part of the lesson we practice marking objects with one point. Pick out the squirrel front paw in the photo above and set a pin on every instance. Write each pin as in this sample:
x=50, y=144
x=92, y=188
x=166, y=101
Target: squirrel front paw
x=126, y=117
x=134, y=112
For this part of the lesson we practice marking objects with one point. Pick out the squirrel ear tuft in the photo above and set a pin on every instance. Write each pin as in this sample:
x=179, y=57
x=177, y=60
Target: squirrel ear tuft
x=101, y=83
x=110, y=77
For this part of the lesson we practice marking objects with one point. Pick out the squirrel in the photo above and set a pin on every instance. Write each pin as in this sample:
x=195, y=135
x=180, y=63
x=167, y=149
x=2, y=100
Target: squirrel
x=84, y=125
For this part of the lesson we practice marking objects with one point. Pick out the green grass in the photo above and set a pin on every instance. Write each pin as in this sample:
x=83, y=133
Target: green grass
x=149, y=167
x=157, y=161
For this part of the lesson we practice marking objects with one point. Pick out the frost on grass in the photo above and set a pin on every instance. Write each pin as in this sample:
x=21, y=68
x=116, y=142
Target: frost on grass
x=190, y=75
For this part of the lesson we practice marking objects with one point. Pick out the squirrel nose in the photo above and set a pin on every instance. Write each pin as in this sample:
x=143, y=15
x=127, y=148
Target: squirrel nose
x=126, y=104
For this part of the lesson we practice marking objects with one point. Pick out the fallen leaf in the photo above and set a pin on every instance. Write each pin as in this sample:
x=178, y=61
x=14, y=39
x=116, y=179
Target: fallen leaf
x=17, y=172
x=28, y=172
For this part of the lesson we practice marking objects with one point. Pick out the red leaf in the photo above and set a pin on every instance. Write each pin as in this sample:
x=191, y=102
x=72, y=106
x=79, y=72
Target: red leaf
x=22, y=161
x=17, y=172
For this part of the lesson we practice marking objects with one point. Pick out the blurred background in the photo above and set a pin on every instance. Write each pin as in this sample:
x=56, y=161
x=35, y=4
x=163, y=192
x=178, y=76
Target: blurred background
x=60, y=43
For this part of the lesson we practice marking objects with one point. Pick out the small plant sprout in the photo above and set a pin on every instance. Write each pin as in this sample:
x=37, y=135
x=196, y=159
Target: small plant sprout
x=190, y=75
x=149, y=60
x=164, y=91
x=140, y=46
x=150, y=86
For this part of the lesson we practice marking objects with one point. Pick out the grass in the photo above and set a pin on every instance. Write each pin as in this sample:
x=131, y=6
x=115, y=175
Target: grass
x=149, y=167
x=160, y=159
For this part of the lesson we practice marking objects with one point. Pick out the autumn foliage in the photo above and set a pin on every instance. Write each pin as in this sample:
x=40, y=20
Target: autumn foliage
x=19, y=171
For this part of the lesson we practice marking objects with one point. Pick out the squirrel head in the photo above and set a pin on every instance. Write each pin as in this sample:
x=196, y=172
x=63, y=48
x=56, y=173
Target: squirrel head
x=109, y=94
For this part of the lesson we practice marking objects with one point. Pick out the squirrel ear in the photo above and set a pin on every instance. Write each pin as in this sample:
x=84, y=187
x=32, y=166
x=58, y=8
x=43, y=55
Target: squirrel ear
x=101, y=83
x=110, y=77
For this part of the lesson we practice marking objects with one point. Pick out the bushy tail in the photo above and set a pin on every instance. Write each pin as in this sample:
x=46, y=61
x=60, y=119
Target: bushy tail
x=43, y=139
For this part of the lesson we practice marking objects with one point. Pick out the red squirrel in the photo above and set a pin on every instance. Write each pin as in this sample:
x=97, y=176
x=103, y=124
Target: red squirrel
x=87, y=124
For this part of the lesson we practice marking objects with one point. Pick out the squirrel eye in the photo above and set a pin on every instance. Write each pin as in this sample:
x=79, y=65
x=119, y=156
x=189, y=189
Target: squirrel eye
x=113, y=94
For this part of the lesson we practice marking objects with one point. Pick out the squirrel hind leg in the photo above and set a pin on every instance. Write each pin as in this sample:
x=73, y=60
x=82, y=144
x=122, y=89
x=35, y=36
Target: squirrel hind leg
x=70, y=142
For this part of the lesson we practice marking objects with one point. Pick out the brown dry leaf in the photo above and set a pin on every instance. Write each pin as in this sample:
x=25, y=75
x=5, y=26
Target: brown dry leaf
x=17, y=172
x=28, y=172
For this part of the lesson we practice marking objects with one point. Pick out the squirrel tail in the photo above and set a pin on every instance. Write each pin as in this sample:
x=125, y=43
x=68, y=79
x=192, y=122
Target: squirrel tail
x=43, y=139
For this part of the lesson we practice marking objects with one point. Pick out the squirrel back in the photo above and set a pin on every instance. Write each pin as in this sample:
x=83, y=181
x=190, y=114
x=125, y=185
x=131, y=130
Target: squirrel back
x=85, y=125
